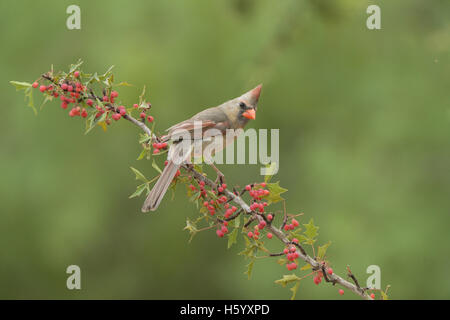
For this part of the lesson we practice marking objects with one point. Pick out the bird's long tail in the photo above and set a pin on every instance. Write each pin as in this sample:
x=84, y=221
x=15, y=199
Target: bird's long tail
x=160, y=188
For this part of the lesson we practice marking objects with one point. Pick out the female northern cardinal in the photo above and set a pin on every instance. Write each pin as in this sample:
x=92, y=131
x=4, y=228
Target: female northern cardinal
x=233, y=114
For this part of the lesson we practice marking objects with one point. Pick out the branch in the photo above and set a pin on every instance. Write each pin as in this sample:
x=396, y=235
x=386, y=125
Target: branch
x=334, y=278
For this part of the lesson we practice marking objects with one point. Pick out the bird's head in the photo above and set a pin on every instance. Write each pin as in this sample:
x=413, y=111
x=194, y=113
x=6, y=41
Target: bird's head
x=243, y=108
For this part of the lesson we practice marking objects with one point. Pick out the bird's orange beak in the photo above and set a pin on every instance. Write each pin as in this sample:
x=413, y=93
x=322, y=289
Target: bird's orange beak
x=250, y=114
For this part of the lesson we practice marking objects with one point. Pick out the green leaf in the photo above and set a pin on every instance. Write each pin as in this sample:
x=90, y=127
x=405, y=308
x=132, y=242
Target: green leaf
x=191, y=227
x=282, y=261
x=76, y=66
x=139, y=175
x=237, y=222
x=108, y=71
x=249, y=249
x=144, y=138
x=250, y=269
x=270, y=169
x=232, y=237
x=28, y=92
x=306, y=267
x=275, y=192
x=323, y=250
x=123, y=84
x=155, y=166
x=139, y=190
x=141, y=97
x=93, y=121
x=311, y=230
x=287, y=279
x=20, y=85
x=29, y=95
x=46, y=99
x=294, y=290
x=142, y=154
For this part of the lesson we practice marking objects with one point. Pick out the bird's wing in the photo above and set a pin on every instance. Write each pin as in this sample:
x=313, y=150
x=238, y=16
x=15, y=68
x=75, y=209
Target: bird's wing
x=206, y=119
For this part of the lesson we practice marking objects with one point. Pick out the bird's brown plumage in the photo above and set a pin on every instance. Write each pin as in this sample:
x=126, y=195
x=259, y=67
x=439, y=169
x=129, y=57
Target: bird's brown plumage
x=229, y=115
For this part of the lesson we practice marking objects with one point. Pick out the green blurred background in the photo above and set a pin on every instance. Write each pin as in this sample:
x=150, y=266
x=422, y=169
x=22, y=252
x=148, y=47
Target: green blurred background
x=364, y=120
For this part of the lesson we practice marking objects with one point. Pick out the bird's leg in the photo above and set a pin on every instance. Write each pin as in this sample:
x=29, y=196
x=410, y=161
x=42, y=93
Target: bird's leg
x=220, y=176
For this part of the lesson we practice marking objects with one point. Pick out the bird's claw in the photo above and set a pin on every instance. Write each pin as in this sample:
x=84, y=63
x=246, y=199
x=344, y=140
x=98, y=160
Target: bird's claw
x=220, y=179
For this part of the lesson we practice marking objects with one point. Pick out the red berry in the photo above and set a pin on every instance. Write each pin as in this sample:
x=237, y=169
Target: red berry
x=286, y=251
x=142, y=115
x=76, y=74
x=69, y=88
x=205, y=203
x=135, y=105
x=295, y=240
x=341, y=292
x=295, y=223
x=224, y=185
x=56, y=94
x=150, y=119
x=116, y=116
x=114, y=94
x=261, y=225
x=286, y=227
x=64, y=86
x=122, y=110
x=250, y=234
x=269, y=217
x=248, y=187
x=35, y=84
x=228, y=213
x=84, y=113
x=269, y=235
x=220, y=233
x=317, y=280
x=291, y=266
x=330, y=271
x=42, y=88
x=74, y=112
x=64, y=105
x=372, y=295
x=220, y=189
x=89, y=102
x=233, y=208
x=155, y=151
x=105, y=98
x=224, y=229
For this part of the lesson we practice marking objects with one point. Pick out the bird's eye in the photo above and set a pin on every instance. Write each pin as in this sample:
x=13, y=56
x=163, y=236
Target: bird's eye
x=242, y=105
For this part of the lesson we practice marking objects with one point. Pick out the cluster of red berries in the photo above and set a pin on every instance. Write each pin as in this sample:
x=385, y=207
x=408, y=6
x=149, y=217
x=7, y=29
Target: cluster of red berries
x=291, y=226
x=73, y=91
x=318, y=278
x=223, y=229
x=213, y=205
x=292, y=255
x=158, y=146
x=257, y=193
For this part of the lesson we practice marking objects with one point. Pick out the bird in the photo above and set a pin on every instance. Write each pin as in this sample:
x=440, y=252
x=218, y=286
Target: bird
x=213, y=122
